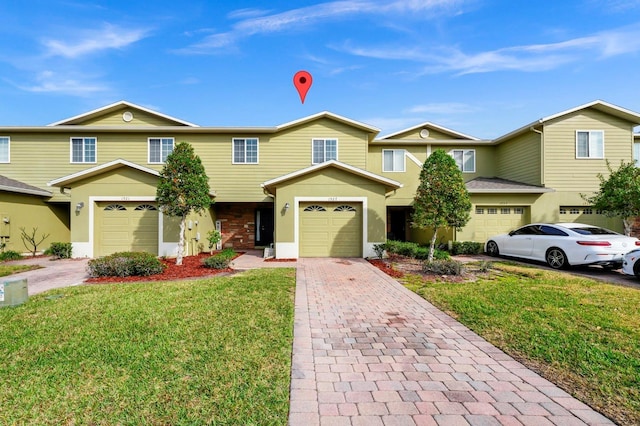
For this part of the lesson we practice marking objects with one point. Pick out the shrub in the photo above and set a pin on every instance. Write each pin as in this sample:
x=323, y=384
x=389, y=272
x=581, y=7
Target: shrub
x=485, y=265
x=125, y=264
x=219, y=260
x=444, y=267
x=379, y=249
x=466, y=247
x=409, y=249
x=10, y=255
x=59, y=250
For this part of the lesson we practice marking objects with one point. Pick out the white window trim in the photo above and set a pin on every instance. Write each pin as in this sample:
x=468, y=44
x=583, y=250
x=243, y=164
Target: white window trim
x=404, y=160
x=636, y=149
x=463, y=152
x=83, y=150
x=8, y=150
x=233, y=156
x=589, y=132
x=325, y=149
x=173, y=145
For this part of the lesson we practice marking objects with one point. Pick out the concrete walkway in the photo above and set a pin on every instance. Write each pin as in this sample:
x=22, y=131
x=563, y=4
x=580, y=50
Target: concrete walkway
x=52, y=274
x=367, y=351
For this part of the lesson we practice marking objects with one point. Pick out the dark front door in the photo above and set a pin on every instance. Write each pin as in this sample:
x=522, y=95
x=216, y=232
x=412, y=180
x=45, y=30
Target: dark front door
x=398, y=225
x=264, y=227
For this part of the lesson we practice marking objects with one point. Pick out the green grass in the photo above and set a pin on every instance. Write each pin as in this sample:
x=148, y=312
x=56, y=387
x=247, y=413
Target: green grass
x=581, y=334
x=215, y=351
x=6, y=270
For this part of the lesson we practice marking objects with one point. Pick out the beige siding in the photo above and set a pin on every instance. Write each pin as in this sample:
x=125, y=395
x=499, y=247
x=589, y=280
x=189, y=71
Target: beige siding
x=519, y=159
x=140, y=118
x=433, y=134
x=563, y=171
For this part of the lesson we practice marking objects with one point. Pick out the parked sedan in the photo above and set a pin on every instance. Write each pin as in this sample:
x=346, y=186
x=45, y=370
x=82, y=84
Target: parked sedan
x=631, y=263
x=564, y=244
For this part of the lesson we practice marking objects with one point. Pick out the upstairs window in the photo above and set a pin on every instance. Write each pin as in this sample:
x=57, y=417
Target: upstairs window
x=393, y=160
x=245, y=151
x=324, y=150
x=83, y=150
x=590, y=144
x=465, y=159
x=159, y=149
x=636, y=154
x=4, y=149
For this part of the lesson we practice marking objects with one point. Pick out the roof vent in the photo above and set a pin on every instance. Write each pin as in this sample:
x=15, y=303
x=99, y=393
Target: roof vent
x=424, y=133
x=127, y=116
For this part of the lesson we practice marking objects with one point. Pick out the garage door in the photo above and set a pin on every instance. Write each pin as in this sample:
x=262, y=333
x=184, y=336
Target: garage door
x=493, y=220
x=588, y=215
x=330, y=230
x=126, y=226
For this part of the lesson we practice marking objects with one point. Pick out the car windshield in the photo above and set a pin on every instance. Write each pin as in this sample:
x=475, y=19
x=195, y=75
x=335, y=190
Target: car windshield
x=593, y=230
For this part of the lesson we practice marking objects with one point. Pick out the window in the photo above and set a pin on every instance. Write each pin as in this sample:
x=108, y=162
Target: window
x=245, y=150
x=590, y=144
x=574, y=210
x=563, y=210
x=505, y=211
x=492, y=211
x=344, y=208
x=159, y=149
x=465, y=159
x=83, y=150
x=636, y=153
x=550, y=230
x=315, y=208
x=115, y=207
x=393, y=160
x=4, y=149
x=324, y=150
x=518, y=210
x=479, y=210
x=587, y=210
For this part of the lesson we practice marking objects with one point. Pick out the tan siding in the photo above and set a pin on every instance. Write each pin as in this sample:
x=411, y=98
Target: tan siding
x=563, y=171
x=519, y=159
x=433, y=135
x=140, y=118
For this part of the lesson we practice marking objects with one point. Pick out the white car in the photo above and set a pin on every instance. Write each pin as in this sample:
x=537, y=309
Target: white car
x=562, y=245
x=631, y=263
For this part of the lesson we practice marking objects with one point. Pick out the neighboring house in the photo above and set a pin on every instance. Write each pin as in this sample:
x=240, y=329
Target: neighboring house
x=323, y=185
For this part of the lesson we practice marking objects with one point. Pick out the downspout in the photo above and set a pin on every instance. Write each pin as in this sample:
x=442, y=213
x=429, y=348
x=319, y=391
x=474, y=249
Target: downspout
x=541, y=152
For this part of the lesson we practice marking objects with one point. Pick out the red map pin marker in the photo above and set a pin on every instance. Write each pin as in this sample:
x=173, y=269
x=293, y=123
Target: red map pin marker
x=302, y=80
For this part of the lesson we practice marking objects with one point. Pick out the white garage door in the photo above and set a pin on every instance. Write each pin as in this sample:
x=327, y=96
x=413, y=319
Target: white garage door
x=330, y=230
x=126, y=226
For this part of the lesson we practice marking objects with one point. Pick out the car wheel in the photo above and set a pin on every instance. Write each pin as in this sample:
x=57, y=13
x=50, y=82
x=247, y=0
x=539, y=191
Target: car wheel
x=556, y=258
x=492, y=249
x=636, y=269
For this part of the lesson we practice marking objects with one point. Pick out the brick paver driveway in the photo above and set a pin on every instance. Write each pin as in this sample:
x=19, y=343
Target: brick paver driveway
x=369, y=352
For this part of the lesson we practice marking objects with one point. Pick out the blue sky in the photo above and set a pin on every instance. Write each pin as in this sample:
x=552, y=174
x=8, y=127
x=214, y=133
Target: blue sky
x=481, y=67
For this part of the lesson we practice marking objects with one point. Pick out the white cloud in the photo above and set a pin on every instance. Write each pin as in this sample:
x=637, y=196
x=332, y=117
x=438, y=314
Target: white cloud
x=447, y=108
x=305, y=17
x=50, y=82
x=533, y=57
x=87, y=42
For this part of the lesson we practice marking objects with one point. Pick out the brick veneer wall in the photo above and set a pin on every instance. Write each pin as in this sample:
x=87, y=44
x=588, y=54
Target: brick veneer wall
x=238, y=224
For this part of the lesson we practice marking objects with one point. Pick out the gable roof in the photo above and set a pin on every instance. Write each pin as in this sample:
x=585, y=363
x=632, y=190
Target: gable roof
x=437, y=127
x=389, y=183
x=79, y=119
x=496, y=185
x=616, y=111
x=98, y=170
x=12, y=185
x=326, y=114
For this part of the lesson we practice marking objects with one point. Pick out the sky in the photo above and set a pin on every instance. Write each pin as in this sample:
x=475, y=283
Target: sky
x=479, y=67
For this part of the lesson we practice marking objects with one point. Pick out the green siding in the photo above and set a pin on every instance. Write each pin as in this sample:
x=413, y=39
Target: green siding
x=563, y=171
x=519, y=159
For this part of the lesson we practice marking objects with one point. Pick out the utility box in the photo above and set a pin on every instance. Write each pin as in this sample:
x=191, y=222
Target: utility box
x=13, y=293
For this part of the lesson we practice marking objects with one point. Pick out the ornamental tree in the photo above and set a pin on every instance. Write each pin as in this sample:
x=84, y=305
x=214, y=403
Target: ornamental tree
x=183, y=188
x=442, y=199
x=619, y=194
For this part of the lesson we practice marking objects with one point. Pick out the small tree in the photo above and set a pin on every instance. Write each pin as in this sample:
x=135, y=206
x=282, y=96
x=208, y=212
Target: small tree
x=30, y=241
x=442, y=199
x=619, y=194
x=183, y=188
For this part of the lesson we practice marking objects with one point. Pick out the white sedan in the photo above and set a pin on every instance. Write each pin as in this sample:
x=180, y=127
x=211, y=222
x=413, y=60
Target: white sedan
x=631, y=263
x=564, y=244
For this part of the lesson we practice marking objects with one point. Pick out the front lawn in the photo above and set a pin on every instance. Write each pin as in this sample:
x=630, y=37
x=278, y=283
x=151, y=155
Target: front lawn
x=213, y=351
x=581, y=334
x=6, y=270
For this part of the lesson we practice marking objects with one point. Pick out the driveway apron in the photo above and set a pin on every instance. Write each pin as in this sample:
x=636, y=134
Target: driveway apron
x=367, y=351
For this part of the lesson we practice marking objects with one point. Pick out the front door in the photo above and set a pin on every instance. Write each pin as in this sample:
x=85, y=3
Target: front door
x=264, y=227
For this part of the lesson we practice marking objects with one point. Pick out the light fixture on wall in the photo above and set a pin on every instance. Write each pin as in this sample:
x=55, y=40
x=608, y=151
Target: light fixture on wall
x=286, y=206
x=79, y=206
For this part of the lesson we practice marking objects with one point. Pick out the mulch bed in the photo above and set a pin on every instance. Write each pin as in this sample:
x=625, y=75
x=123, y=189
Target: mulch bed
x=191, y=268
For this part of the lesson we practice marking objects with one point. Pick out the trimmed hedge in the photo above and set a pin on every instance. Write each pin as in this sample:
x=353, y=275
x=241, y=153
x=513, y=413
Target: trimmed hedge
x=10, y=255
x=125, y=264
x=219, y=260
x=466, y=247
x=444, y=267
x=59, y=250
x=409, y=249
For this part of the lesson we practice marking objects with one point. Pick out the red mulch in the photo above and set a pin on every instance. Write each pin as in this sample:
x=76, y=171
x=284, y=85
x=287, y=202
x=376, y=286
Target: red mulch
x=191, y=268
x=386, y=268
